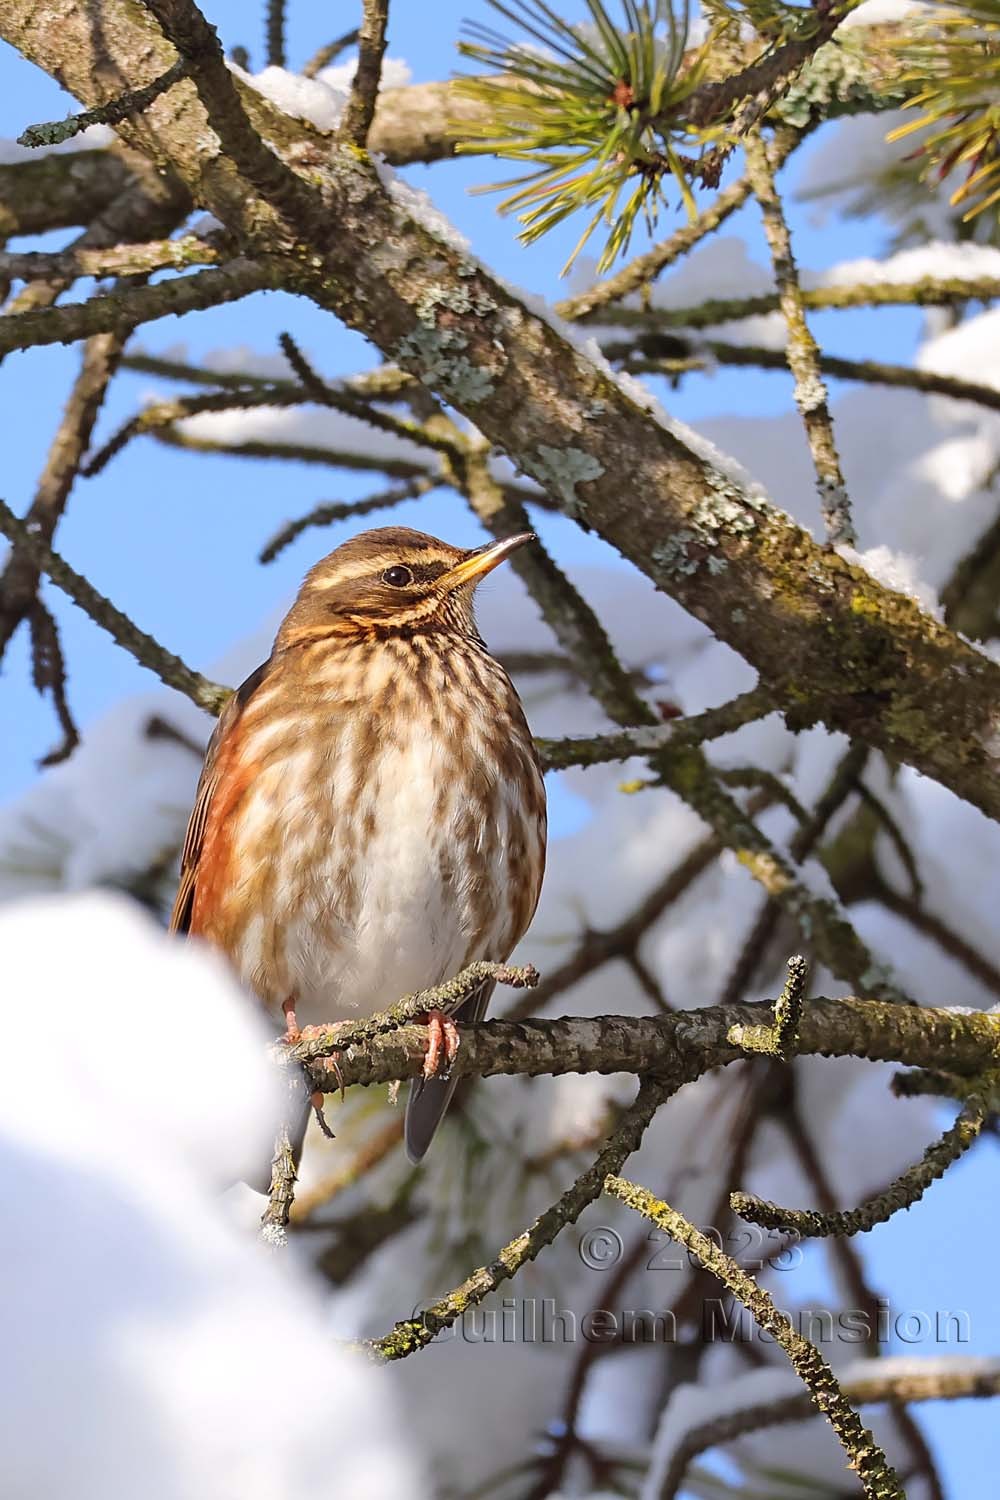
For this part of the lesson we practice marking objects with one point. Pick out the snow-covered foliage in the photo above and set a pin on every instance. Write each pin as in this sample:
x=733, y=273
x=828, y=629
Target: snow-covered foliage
x=150, y=1345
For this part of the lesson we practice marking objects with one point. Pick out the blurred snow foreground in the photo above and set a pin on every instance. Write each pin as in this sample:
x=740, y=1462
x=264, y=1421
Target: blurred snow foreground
x=149, y=1347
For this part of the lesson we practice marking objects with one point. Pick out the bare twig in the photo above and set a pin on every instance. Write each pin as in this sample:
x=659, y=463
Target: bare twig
x=120, y=311
x=713, y=723
x=324, y=56
x=276, y=33
x=360, y=111
x=907, y=1189
x=801, y=350
x=19, y=580
x=132, y=102
x=779, y=1038
x=210, y=696
x=415, y=1333
x=927, y=291
x=48, y=671
x=328, y=514
x=667, y=354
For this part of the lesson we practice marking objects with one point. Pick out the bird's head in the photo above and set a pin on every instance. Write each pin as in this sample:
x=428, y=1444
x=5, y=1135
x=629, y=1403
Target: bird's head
x=392, y=581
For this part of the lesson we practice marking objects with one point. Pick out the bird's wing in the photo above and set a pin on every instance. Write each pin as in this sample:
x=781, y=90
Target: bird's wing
x=180, y=917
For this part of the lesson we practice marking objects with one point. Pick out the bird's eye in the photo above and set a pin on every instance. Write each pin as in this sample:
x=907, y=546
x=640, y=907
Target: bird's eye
x=398, y=577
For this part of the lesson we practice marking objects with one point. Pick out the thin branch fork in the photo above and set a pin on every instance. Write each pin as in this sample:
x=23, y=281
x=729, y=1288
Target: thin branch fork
x=121, y=311
x=863, y=1453
x=208, y=695
x=957, y=1380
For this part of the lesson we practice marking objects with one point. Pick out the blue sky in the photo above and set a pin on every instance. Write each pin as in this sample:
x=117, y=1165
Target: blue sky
x=173, y=539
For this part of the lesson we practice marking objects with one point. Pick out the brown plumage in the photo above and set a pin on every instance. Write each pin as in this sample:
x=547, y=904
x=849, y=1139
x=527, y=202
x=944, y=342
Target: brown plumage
x=371, y=815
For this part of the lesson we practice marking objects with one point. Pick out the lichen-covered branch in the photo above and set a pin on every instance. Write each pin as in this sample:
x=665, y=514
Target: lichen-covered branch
x=413, y=1334
x=677, y=1045
x=957, y=1380
x=132, y=102
x=648, y=740
x=779, y=1038
x=801, y=350
x=121, y=311
x=112, y=260
x=926, y=291
x=864, y=1455
x=210, y=696
x=908, y=1188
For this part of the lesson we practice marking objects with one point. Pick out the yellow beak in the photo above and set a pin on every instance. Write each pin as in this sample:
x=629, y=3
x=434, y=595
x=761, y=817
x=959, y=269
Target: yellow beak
x=483, y=560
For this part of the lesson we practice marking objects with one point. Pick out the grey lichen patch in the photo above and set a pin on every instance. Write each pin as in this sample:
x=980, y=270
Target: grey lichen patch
x=436, y=354
x=810, y=394
x=435, y=349
x=459, y=300
x=738, y=616
x=560, y=470
x=717, y=514
x=839, y=77
x=674, y=557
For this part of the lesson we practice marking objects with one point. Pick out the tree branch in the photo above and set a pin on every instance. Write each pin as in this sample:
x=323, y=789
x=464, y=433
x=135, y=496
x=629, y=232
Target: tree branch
x=416, y=1333
x=132, y=102
x=878, y=1480
x=210, y=696
x=119, y=312
x=676, y=1046
x=959, y=1380
x=114, y=260
x=666, y=354
x=908, y=1188
x=360, y=111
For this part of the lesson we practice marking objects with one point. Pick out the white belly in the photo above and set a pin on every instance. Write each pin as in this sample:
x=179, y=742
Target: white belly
x=373, y=903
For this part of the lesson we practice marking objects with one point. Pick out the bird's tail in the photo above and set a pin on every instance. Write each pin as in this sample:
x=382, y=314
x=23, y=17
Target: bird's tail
x=430, y=1097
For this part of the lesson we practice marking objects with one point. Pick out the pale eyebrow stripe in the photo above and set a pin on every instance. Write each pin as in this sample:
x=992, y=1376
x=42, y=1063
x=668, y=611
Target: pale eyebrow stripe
x=364, y=569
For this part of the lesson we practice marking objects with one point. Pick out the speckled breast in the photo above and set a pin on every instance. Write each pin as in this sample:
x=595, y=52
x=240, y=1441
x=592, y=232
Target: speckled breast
x=389, y=829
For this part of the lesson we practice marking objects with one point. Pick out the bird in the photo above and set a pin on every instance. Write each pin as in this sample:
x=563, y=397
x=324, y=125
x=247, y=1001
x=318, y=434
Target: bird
x=371, y=814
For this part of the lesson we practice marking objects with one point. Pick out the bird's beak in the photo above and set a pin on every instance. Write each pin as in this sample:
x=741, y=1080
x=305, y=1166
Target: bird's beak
x=483, y=560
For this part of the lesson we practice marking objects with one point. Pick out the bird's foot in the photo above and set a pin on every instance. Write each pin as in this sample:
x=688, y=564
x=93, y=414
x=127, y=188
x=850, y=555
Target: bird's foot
x=294, y=1033
x=442, y=1036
